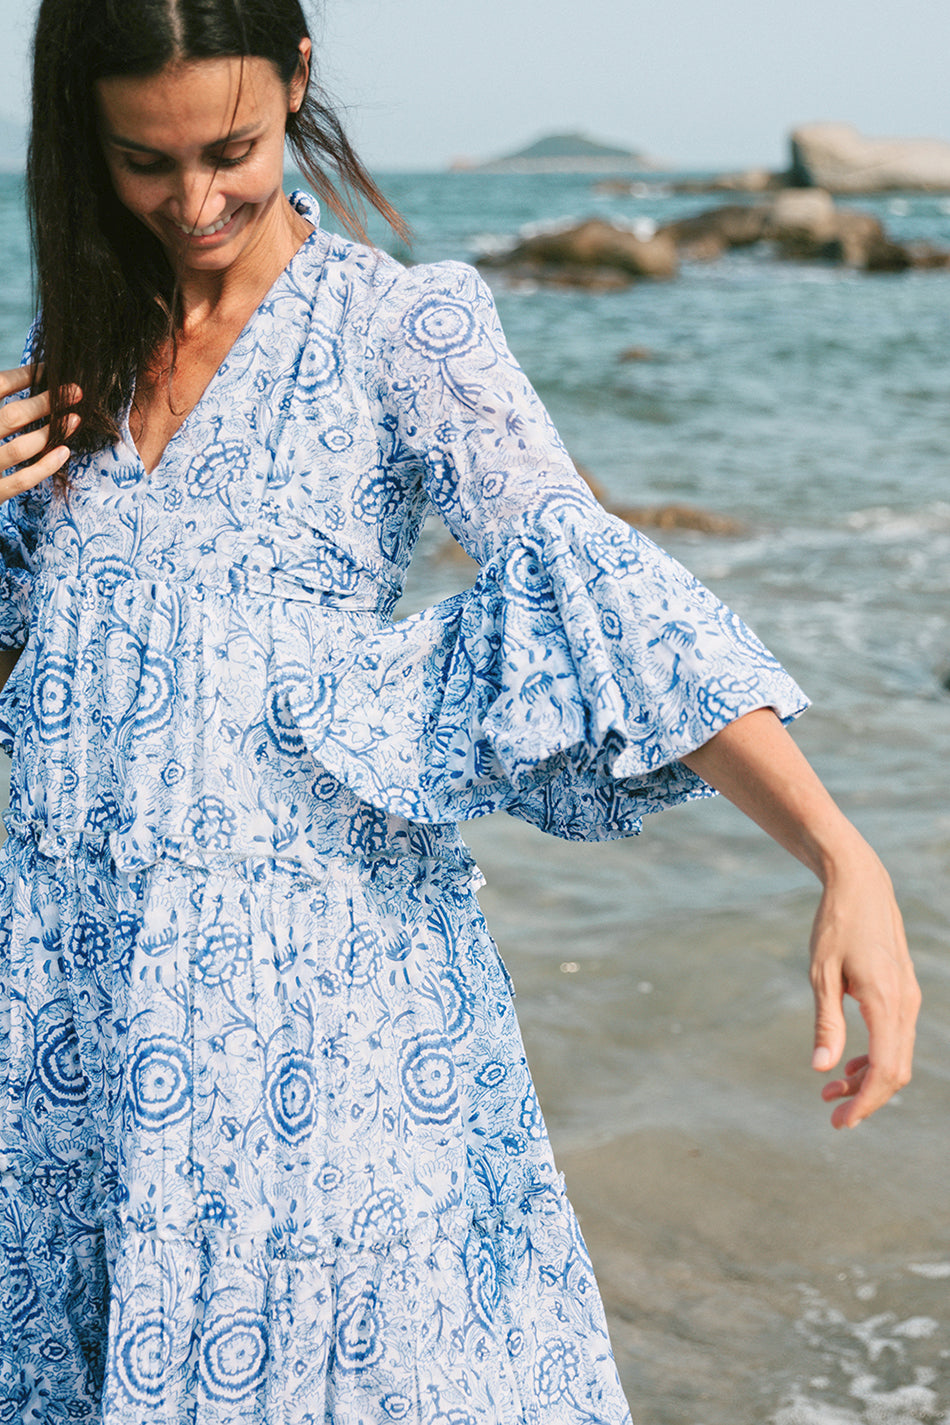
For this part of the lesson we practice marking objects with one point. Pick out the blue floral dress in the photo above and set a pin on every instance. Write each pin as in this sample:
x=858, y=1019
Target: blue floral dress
x=270, y=1149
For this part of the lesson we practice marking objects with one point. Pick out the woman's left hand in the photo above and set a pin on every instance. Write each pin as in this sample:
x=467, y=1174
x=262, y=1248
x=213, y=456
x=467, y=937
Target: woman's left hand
x=858, y=946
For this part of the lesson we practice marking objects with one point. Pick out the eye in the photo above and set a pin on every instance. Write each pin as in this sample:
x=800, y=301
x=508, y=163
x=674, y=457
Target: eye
x=233, y=160
x=133, y=165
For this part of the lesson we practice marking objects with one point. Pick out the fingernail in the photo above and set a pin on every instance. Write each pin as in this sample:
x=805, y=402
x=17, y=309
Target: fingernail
x=821, y=1059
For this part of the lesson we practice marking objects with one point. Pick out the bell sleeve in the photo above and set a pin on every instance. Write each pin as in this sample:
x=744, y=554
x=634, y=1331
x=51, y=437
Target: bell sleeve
x=568, y=683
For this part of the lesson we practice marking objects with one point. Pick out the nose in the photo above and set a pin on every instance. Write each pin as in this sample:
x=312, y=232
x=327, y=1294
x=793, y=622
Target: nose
x=196, y=202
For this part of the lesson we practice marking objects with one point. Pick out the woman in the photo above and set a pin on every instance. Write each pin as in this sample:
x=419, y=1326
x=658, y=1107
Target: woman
x=271, y=1150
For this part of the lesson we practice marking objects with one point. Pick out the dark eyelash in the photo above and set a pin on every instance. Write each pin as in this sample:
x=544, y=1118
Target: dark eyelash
x=134, y=167
x=233, y=162
x=159, y=164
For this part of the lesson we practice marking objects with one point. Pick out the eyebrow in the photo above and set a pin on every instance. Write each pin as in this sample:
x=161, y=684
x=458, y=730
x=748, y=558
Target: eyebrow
x=237, y=136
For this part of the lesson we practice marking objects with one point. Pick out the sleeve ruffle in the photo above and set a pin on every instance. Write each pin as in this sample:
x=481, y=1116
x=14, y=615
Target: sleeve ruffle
x=564, y=687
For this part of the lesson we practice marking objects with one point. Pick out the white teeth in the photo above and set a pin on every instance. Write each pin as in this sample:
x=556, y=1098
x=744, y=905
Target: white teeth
x=205, y=232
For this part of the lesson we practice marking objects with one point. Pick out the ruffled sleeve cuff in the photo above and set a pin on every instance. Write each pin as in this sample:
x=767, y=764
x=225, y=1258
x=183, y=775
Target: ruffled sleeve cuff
x=563, y=688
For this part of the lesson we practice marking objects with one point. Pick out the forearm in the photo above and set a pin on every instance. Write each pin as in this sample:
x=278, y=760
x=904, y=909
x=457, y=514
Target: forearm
x=757, y=766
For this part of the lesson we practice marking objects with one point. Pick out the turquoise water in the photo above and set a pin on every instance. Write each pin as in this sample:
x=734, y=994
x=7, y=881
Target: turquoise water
x=757, y=1267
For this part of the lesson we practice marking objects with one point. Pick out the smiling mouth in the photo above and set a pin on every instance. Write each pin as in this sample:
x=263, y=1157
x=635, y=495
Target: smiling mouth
x=209, y=231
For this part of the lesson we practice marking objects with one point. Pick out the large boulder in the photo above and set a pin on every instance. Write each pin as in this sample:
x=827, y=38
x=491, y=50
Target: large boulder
x=805, y=224
x=594, y=254
x=709, y=234
x=836, y=157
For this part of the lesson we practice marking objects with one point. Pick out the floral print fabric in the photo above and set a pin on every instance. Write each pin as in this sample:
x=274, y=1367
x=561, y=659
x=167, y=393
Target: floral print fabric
x=270, y=1147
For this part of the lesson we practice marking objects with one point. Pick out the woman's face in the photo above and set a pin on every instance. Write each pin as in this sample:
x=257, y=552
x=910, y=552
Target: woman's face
x=197, y=152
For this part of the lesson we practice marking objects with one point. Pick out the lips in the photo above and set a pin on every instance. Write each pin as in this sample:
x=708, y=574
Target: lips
x=210, y=230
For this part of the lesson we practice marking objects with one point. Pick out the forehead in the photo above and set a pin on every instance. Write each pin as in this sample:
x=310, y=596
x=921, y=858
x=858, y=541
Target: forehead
x=190, y=105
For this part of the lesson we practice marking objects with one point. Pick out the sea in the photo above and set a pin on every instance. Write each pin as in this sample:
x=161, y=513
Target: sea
x=758, y=1268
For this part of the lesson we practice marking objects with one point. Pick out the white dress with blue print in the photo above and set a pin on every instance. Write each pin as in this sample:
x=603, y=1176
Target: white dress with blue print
x=270, y=1149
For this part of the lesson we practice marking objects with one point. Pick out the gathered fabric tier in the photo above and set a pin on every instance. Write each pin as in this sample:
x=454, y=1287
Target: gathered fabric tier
x=270, y=1147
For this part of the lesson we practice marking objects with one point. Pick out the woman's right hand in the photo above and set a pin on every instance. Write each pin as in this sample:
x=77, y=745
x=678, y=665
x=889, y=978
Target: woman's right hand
x=19, y=444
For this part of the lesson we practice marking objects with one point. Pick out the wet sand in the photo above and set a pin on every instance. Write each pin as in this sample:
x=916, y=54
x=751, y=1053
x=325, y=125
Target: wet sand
x=756, y=1265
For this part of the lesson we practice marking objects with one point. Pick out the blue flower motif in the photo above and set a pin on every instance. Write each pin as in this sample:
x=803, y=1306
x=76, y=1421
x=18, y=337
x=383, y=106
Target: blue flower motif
x=535, y=686
x=219, y=465
x=281, y=724
x=160, y=1084
x=515, y=1341
x=173, y=773
x=491, y=1075
x=611, y=624
x=90, y=942
x=457, y=1004
x=721, y=699
x=482, y=1270
x=20, y=1296
x=359, y=1332
x=397, y=1407
x=429, y=1078
x=336, y=439
x=52, y=696
x=290, y=1098
x=58, y=1064
x=314, y=705
x=530, y=1116
x=441, y=327
x=233, y=1357
x=527, y=581
x=142, y=1357
x=358, y=957
x=221, y=951
x=157, y=686
x=381, y=1215
x=610, y=551
x=321, y=363
x=211, y=823
x=556, y=1366
x=109, y=572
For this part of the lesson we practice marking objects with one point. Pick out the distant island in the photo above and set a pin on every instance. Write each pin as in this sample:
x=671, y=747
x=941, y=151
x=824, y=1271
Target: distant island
x=565, y=153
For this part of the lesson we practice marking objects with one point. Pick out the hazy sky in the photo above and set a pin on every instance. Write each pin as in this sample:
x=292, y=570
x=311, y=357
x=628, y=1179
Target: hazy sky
x=698, y=82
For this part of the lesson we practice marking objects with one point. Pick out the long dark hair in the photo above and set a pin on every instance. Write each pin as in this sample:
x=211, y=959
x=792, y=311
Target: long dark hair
x=106, y=291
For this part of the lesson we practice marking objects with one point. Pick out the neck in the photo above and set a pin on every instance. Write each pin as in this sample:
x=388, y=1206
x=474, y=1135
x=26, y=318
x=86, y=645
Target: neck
x=215, y=294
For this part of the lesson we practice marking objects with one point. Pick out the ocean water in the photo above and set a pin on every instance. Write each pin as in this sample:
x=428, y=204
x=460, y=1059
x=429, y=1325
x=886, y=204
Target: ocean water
x=757, y=1267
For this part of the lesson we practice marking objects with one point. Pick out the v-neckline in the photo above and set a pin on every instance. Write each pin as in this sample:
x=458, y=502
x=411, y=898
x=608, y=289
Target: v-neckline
x=311, y=215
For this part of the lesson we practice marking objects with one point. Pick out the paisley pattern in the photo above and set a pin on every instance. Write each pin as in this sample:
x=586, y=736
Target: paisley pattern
x=270, y=1150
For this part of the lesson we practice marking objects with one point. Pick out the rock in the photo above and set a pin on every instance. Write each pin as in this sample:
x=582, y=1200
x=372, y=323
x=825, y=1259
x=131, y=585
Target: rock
x=805, y=225
x=595, y=254
x=709, y=234
x=926, y=255
x=750, y=180
x=678, y=517
x=807, y=211
x=636, y=353
x=838, y=158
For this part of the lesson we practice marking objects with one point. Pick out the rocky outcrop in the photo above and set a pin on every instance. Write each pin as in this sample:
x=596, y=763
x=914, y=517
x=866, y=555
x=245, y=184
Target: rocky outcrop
x=595, y=254
x=679, y=517
x=838, y=158
x=707, y=235
x=804, y=224
x=749, y=180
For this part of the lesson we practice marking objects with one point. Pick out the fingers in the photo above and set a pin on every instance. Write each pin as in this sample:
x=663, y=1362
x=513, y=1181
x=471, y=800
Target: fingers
x=24, y=434
x=859, y=949
x=830, y=1027
x=25, y=477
